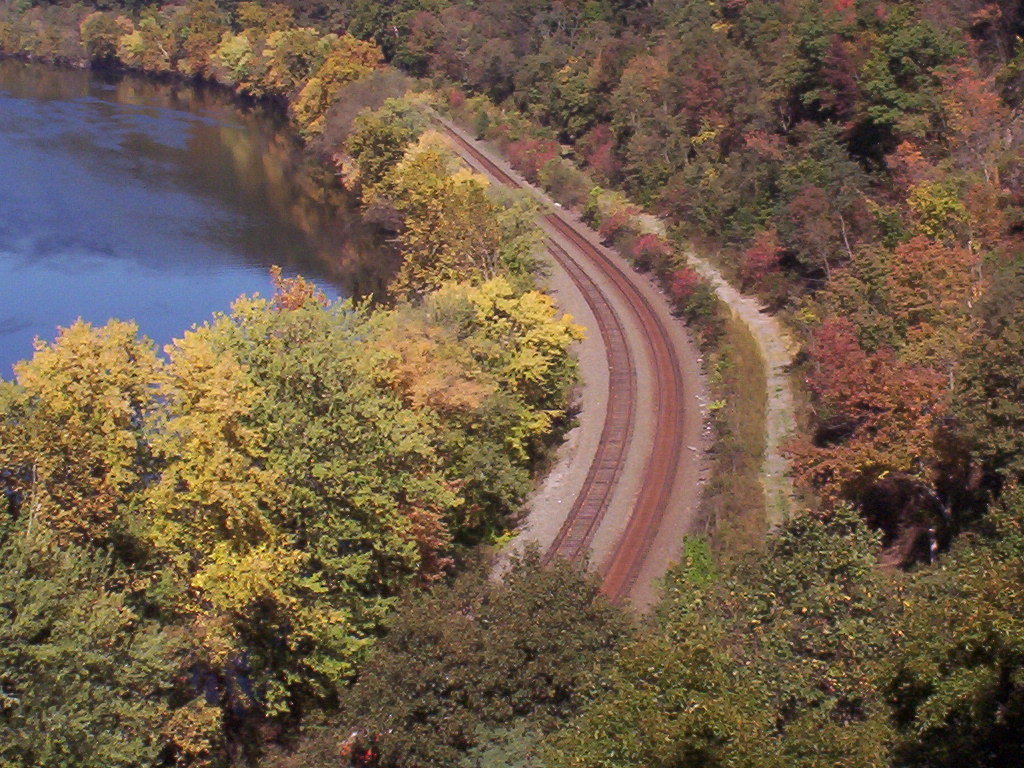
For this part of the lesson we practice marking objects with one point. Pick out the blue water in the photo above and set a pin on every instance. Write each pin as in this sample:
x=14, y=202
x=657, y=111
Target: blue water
x=157, y=203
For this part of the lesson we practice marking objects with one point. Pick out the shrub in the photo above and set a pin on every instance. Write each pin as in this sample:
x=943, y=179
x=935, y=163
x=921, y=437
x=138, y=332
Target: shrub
x=597, y=148
x=762, y=258
x=651, y=251
x=683, y=285
x=618, y=224
x=528, y=156
x=565, y=182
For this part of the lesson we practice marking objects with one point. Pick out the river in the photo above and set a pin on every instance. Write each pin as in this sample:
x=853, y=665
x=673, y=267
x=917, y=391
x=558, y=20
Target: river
x=122, y=197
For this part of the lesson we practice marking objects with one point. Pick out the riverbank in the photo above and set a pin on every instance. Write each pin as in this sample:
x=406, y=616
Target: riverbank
x=266, y=60
x=180, y=202
x=230, y=527
x=233, y=61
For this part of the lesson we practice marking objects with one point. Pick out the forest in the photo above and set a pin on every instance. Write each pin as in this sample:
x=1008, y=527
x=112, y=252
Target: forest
x=856, y=164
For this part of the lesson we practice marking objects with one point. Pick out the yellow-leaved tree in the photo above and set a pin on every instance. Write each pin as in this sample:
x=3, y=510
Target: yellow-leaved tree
x=215, y=516
x=74, y=443
x=455, y=227
x=347, y=60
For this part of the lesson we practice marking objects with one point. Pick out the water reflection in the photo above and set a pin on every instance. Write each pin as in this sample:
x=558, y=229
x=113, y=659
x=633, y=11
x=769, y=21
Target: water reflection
x=161, y=202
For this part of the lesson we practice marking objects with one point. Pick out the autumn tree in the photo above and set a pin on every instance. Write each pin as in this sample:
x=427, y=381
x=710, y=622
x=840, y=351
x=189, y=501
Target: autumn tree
x=453, y=226
x=877, y=415
x=100, y=34
x=75, y=449
x=494, y=365
x=149, y=45
x=348, y=60
x=198, y=28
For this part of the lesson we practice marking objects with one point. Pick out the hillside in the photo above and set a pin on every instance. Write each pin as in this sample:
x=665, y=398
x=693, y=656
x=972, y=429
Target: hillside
x=857, y=166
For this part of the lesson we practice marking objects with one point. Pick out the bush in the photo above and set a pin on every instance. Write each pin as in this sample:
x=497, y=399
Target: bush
x=694, y=298
x=597, y=148
x=651, y=252
x=618, y=224
x=529, y=155
x=565, y=182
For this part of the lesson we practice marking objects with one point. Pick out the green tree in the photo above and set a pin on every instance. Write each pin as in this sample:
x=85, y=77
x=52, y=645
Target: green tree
x=777, y=663
x=366, y=494
x=464, y=660
x=87, y=679
x=380, y=138
x=956, y=684
x=100, y=34
x=989, y=399
x=901, y=79
x=211, y=521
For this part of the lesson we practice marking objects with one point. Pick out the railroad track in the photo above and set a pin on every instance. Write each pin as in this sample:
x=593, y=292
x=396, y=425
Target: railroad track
x=665, y=402
x=576, y=534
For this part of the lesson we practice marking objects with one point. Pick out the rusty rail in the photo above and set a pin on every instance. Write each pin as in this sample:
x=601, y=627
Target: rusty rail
x=665, y=401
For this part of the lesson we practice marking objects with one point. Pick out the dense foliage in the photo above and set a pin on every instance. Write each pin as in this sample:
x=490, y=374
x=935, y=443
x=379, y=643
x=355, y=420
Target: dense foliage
x=856, y=163
x=476, y=670
x=259, y=51
x=205, y=546
x=810, y=655
x=235, y=523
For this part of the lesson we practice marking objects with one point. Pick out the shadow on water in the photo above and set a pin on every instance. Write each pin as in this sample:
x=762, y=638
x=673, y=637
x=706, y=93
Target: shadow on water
x=124, y=197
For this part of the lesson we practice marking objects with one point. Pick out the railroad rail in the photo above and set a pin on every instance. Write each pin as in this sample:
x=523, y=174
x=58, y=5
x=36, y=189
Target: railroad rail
x=665, y=401
x=577, y=532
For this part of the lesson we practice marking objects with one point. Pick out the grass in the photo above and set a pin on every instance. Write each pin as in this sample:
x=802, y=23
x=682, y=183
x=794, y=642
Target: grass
x=733, y=503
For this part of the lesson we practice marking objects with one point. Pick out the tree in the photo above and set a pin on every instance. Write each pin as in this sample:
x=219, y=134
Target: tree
x=211, y=520
x=366, y=494
x=956, y=683
x=76, y=449
x=452, y=225
x=149, y=46
x=87, y=678
x=290, y=57
x=348, y=60
x=477, y=655
x=877, y=415
x=762, y=258
x=821, y=200
x=100, y=34
x=199, y=27
x=989, y=401
x=930, y=287
x=380, y=138
x=901, y=79
x=774, y=663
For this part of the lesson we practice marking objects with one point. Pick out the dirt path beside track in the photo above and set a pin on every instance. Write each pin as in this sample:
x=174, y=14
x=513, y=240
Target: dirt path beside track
x=777, y=348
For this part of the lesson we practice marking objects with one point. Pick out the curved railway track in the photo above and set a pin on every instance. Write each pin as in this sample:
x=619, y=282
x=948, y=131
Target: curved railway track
x=665, y=401
x=574, y=538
